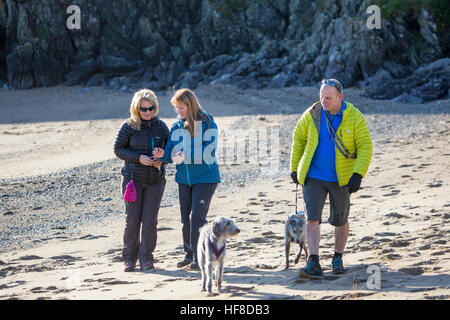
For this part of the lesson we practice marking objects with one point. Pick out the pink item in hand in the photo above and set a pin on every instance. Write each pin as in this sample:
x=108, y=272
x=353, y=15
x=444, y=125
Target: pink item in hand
x=130, y=192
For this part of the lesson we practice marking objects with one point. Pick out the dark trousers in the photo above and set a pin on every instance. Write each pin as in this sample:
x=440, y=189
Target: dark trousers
x=142, y=220
x=194, y=206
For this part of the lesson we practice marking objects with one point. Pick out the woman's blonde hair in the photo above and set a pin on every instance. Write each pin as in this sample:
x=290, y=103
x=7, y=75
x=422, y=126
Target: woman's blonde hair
x=195, y=111
x=142, y=94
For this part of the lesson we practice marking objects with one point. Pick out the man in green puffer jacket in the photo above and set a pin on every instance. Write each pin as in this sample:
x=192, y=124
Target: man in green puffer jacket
x=331, y=153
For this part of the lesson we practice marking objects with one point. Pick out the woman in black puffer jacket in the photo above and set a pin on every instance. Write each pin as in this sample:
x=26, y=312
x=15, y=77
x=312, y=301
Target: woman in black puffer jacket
x=135, y=141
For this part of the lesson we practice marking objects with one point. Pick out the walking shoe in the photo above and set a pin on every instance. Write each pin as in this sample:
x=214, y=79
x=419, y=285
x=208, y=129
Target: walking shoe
x=311, y=271
x=184, y=263
x=338, y=267
x=194, y=266
x=147, y=266
x=129, y=266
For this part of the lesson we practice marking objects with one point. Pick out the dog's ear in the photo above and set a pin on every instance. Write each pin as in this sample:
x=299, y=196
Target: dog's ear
x=216, y=228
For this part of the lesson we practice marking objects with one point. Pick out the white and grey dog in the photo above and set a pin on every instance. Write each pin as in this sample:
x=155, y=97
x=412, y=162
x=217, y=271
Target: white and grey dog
x=294, y=231
x=211, y=250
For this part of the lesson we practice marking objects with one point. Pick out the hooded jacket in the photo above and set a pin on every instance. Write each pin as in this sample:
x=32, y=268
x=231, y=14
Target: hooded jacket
x=200, y=164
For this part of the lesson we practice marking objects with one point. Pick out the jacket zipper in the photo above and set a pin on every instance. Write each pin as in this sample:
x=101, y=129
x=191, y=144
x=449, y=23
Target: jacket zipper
x=186, y=166
x=340, y=130
x=187, y=174
x=148, y=143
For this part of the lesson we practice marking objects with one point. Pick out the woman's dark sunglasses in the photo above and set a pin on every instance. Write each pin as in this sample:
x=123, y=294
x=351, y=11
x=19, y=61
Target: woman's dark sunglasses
x=145, y=109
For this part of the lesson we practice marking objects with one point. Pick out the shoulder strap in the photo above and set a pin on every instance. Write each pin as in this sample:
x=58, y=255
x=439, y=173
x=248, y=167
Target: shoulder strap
x=338, y=142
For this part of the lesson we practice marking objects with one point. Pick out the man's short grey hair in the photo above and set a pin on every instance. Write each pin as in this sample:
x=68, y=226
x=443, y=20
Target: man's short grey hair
x=334, y=83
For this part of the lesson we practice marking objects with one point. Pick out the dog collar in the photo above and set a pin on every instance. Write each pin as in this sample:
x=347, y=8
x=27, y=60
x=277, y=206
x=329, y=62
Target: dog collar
x=214, y=248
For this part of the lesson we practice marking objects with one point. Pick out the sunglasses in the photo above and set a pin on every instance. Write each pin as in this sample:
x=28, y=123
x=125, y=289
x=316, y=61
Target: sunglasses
x=333, y=83
x=145, y=109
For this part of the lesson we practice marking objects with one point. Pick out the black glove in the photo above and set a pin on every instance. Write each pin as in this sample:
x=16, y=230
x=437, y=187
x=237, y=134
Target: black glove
x=354, y=183
x=294, y=177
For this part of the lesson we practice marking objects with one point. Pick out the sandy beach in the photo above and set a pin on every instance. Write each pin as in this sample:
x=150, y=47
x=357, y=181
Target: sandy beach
x=62, y=217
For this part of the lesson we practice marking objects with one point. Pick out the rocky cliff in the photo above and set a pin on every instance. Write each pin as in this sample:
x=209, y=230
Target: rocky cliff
x=251, y=43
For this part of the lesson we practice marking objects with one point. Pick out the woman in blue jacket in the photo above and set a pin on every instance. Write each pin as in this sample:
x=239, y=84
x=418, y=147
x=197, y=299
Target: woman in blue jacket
x=192, y=146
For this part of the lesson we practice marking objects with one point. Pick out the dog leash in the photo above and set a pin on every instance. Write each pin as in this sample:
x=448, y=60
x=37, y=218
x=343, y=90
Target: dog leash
x=296, y=188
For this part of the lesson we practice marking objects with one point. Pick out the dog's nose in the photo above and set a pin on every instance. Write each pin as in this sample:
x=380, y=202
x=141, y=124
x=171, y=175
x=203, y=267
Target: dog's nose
x=237, y=230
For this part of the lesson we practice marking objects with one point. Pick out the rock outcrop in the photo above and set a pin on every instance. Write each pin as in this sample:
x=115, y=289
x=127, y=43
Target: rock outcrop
x=125, y=45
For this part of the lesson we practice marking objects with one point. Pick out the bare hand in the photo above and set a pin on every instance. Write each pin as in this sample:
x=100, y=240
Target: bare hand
x=145, y=160
x=178, y=157
x=156, y=163
x=158, y=152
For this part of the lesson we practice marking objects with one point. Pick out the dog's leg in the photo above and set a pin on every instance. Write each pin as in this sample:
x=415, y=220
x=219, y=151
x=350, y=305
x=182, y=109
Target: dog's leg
x=286, y=250
x=219, y=274
x=209, y=271
x=299, y=253
x=201, y=264
x=306, y=251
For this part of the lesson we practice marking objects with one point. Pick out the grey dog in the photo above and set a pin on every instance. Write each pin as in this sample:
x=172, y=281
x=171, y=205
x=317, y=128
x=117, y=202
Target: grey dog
x=295, y=232
x=211, y=250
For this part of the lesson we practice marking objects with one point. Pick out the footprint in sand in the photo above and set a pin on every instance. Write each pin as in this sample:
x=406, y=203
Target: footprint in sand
x=30, y=257
x=385, y=234
x=395, y=215
x=92, y=237
x=164, y=229
x=406, y=165
x=38, y=290
x=393, y=193
x=265, y=266
x=273, y=221
x=413, y=271
x=236, y=291
x=110, y=251
x=425, y=247
x=115, y=282
x=393, y=256
x=399, y=243
x=117, y=259
x=345, y=296
x=440, y=253
x=272, y=235
x=66, y=258
x=160, y=285
x=257, y=240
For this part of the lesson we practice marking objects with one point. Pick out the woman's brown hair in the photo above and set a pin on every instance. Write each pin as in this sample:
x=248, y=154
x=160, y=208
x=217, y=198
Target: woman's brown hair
x=195, y=111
